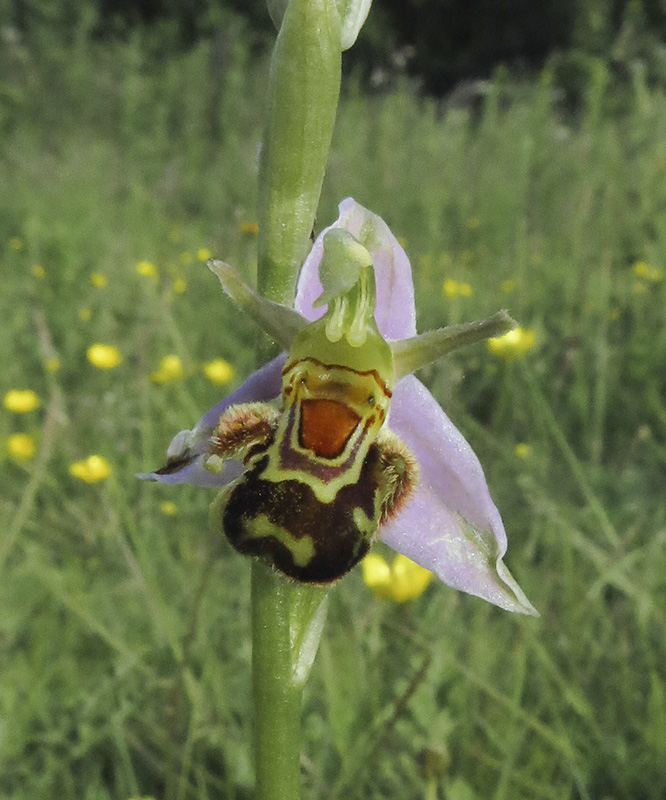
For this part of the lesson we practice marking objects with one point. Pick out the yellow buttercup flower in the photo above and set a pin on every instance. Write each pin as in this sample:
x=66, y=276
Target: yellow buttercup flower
x=20, y=401
x=522, y=450
x=450, y=287
x=148, y=270
x=16, y=243
x=400, y=581
x=52, y=364
x=91, y=470
x=508, y=286
x=250, y=228
x=642, y=269
x=219, y=371
x=104, y=356
x=179, y=285
x=453, y=288
x=170, y=370
x=38, y=271
x=98, y=280
x=203, y=254
x=513, y=344
x=169, y=508
x=21, y=447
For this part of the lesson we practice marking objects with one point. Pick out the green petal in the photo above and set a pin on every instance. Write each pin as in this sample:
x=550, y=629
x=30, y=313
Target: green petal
x=341, y=265
x=412, y=354
x=280, y=322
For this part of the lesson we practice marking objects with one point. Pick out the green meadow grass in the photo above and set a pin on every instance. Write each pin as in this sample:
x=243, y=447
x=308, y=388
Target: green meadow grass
x=124, y=631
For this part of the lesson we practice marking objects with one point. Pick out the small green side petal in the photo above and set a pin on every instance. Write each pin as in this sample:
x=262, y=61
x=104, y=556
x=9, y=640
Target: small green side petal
x=412, y=354
x=348, y=281
x=280, y=322
x=342, y=262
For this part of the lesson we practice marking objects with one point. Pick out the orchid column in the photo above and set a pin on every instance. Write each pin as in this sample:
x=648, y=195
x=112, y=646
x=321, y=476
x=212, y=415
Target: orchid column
x=303, y=93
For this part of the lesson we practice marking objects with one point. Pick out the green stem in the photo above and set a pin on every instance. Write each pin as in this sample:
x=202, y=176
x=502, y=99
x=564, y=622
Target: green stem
x=431, y=789
x=303, y=89
x=287, y=621
x=277, y=698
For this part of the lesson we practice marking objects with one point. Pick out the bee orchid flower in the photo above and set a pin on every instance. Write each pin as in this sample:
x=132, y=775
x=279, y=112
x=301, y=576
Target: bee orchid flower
x=334, y=443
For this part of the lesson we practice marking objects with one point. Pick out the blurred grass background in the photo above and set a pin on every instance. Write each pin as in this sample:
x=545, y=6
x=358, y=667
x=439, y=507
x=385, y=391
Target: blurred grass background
x=124, y=636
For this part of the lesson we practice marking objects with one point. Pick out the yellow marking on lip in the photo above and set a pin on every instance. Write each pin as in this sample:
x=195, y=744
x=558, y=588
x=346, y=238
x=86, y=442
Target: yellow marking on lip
x=302, y=548
x=363, y=521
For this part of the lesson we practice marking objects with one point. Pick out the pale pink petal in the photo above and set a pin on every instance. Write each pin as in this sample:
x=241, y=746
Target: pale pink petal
x=192, y=446
x=451, y=526
x=395, y=313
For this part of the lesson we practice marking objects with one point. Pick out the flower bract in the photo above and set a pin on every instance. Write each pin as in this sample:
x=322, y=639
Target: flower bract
x=345, y=387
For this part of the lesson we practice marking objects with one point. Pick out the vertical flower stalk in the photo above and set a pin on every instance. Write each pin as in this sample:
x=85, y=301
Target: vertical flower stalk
x=304, y=85
x=287, y=620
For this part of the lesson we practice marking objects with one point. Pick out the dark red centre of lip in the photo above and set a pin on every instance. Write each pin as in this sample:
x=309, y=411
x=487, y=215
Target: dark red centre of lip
x=326, y=426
